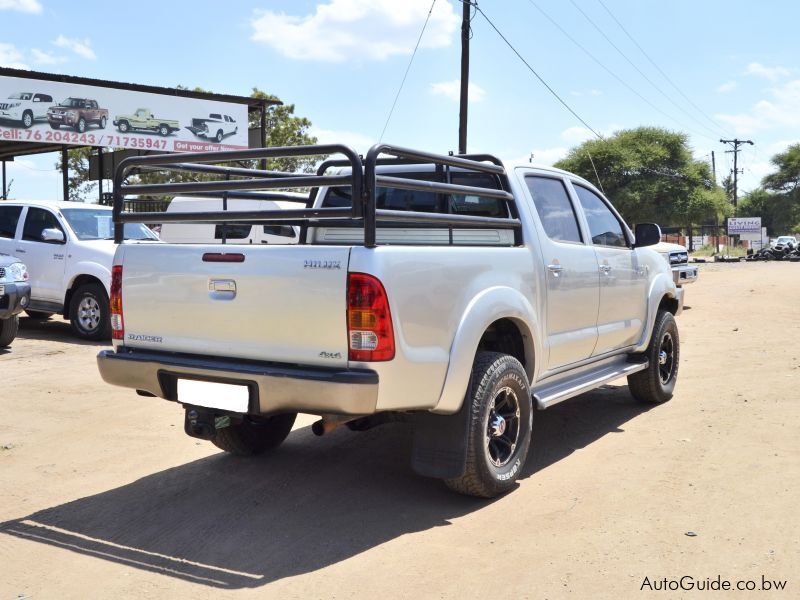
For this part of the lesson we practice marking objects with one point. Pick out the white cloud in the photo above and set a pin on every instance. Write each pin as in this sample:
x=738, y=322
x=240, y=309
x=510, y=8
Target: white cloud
x=771, y=73
x=82, y=48
x=357, y=141
x=576, y=135
x=46, y=58
x=356, y=29
x=778, y=111
x=726, y=87
x=11, y=57
x=28, y=6
x=452, y=90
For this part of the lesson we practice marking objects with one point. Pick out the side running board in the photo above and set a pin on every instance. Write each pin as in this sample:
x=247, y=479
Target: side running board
x=556, y=392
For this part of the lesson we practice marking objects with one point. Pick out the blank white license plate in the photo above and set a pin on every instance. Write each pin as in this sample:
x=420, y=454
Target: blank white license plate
x=224, y=396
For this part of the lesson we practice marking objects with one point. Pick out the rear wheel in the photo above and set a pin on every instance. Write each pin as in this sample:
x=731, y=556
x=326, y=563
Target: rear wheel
x=38, y=314
x=254, y=435
x=89, y=312
x=501, y=419
x=8, y=330
x=163, y=130
x=103, y=122
x=656, y=383
x=218, y=137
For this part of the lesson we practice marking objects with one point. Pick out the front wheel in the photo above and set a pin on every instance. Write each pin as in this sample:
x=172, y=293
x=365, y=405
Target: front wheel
x=27, y=119
x=656, y=383
x=80, y=126
x=89, y=312
x=123, y=127
x=254, y=435
x=55, y=125
x=8, y=330
x=501, y=419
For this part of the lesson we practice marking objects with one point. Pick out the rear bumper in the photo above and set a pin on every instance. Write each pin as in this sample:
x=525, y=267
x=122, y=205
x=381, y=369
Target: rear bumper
x=274, y=388
x=684, y=274
x=14, y=299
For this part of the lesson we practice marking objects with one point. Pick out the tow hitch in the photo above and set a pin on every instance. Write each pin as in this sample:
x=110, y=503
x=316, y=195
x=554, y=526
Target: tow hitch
x=204, y=424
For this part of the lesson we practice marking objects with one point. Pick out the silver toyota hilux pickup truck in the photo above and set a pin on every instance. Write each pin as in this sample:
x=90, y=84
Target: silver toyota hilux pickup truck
x=455, y=294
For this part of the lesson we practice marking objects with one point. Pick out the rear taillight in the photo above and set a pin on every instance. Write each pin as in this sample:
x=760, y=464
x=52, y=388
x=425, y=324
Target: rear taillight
x=369, y=322
x=115, y=303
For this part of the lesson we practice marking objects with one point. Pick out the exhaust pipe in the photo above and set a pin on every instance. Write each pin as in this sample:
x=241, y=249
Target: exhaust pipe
x=324, y=426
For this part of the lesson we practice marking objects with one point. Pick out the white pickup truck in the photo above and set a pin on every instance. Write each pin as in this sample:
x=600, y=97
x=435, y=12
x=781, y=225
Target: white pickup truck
x=68, y=249
x=451, y=293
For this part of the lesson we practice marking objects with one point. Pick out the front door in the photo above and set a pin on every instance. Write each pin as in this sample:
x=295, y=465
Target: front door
x=572, y=295
x=45, y=260
x=623, y=281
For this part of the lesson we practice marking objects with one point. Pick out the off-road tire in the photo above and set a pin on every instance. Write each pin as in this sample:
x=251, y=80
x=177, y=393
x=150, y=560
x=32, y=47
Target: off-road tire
x=89, y=313
x=38, y=315
x=123, y=127
x=27, y=119
x=80, y=126
x=254, y=435
x=497, y=380
x=656, y=383
x=8, y=330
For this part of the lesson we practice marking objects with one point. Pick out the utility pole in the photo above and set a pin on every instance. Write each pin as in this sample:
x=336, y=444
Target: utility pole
x=462, y=114
x=714, y=167
x=735, y=143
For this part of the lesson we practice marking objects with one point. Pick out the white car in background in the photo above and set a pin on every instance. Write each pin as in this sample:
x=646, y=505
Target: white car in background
x=677, y=258
x=25, y=108
x=68, y=248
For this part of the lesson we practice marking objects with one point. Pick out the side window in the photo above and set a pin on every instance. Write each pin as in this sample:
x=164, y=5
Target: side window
x=233, y=231
x=37, y=220
x=215, y=116
x=9, y=217
x=604, y=227
x=555, y=210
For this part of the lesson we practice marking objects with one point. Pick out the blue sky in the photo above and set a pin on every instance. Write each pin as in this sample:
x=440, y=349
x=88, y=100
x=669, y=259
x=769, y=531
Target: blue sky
x=733, y=68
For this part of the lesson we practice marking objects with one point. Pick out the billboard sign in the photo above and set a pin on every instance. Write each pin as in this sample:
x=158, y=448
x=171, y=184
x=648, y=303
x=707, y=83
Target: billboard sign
x=739, y=225
x=54, y=112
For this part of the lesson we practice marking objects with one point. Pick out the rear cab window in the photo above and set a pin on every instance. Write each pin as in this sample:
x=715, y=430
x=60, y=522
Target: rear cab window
x=555, y=209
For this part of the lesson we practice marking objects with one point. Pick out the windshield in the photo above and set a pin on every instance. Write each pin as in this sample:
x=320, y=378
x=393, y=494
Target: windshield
x=95, y=224
x=18, y=96
x=72, y=103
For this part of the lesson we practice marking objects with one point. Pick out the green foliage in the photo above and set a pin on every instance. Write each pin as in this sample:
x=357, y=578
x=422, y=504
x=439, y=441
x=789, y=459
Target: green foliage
x=283, y=128
x=649, y=174
x=787, y=177
x=778, y=201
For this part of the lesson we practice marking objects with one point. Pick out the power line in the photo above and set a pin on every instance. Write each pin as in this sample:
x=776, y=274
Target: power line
x=638, y=70
x=652, y=62
x=532, y=70
x=408, y=68
x=612, y=73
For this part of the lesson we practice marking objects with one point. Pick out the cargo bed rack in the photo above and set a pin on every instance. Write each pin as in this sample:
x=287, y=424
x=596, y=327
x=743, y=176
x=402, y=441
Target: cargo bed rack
x=363, y=180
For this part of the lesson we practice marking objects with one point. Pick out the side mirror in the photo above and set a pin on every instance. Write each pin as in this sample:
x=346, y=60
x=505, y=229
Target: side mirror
x=647, y=234
x=53, y=236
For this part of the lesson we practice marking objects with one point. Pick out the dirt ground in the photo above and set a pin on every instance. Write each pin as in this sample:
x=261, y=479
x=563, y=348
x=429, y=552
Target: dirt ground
x=103, y=496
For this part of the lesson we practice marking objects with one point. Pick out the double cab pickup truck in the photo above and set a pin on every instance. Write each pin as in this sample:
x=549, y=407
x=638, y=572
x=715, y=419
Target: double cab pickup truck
x=215, y=127
x=77, y=113
x=144, y=120
x=68, y=249
x=454, y=294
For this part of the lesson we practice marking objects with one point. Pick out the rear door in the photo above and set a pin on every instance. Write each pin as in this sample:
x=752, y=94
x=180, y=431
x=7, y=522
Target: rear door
x=571, y=272
x=280, y=303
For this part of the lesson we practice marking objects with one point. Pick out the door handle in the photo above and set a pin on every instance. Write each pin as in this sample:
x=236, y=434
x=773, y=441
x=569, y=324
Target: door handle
x=605, y=269
x=20, y=250
x=555, y=268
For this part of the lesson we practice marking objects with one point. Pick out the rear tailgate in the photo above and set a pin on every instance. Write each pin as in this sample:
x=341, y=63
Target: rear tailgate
x=281, y=303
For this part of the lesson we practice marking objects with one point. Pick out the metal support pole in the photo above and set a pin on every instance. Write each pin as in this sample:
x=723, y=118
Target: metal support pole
x=100, y=174
x=65, y=172
x=714, y=167
x=5, y=191
x=462, y=115
x=263, y=133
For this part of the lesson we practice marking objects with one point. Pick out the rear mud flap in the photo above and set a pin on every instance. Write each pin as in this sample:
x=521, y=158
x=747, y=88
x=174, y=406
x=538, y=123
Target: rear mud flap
x=440, y=444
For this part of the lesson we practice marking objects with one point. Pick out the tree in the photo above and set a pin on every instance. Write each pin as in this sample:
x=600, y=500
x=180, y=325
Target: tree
x=777, y=202
x=649, y=174
x=283, y=129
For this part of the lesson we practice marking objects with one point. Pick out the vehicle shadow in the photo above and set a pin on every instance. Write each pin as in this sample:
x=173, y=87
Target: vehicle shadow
x=230, y=523
x=53, y=329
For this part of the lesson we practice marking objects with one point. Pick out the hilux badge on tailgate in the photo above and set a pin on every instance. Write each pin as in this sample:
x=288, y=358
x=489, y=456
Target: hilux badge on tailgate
x=322, y=264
